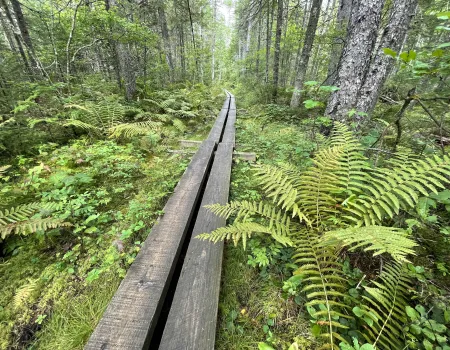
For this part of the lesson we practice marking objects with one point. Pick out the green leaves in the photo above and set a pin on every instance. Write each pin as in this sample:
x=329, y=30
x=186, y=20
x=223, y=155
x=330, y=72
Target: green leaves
x=309, y=104
x=390, y=52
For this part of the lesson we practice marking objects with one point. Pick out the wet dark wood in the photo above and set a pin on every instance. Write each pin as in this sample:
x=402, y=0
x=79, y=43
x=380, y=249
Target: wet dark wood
x=192, y=319
x=128, y=322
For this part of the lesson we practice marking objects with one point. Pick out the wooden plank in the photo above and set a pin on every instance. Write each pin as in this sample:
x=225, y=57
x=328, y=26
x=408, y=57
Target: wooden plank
x=226, y=104
x=248, y=156
x=190, y=143
x=232, y=103
x=131, y=316
x=217, y=129
x=228, y=135
x=192, y=319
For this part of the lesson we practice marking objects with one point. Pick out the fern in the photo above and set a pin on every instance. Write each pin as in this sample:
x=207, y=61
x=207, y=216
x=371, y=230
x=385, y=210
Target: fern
x=385, y=305
x=23, y=293
x=389, y=190
x=134, y=129
x=340, y=201
x=278, y=223
x=379, y=239
x=325, y=283
x=4, y=168
x=20, y=221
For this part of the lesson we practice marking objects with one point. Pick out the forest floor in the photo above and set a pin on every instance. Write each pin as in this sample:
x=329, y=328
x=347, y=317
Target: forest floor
x=55, y=287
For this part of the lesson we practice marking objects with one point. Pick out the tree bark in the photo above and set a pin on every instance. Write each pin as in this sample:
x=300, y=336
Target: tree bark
x=343, y=16
x=393, y=37
x=17, y=39
x=276, y=58
x=23, y=30
x=166, y=38
x=356, y=57
x=306, y=52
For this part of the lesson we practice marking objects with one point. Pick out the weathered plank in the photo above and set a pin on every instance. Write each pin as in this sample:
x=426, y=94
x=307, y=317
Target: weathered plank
x=232, y=103
x=191, y=323
x=229, y=133
x=190, y=143
x=130, y=318
x=226, y=104
x=217, y=129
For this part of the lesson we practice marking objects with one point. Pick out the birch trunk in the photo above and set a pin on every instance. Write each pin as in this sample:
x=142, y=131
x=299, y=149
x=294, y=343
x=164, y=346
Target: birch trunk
x=306, y=52
x=276, y=58
x=356, y=57
x=343, y=16
x=393, y=38
x=166, y=38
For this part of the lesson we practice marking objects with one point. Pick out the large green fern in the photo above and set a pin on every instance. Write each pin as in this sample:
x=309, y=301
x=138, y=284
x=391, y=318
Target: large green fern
x=339, y=202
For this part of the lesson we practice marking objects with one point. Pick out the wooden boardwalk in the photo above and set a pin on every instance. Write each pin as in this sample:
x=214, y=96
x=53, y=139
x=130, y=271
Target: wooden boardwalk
x=169, y=298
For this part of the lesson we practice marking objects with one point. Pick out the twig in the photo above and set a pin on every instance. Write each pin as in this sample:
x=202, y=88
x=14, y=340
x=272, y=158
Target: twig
x=362, y=279
x=431, y=116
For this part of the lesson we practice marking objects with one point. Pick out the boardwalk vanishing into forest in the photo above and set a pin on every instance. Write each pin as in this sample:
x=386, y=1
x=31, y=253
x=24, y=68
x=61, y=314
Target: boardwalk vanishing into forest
x=169, y=297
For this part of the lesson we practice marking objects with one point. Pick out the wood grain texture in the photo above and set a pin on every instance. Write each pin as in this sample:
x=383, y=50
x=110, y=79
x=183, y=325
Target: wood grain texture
x=217, y=129
x=232, y=103
x=129, y=320
x=226, y=104
x=193, y=315
x=229, y=133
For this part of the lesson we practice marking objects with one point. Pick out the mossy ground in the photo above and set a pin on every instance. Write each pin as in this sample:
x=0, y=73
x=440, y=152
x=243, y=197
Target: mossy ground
x=54, y=287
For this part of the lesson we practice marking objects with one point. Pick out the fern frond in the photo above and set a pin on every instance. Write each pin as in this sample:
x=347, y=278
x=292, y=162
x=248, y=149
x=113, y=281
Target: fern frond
x=19, y=220
x=282, y=185
x=242, y=231
x=178, y=124
x=378, y=239
x=385, y=305
x=82, y=125
x=23, y=293
x=277, y=219
x=325, y=283
x=4, y=168
x=134, y=129
x=389, y=190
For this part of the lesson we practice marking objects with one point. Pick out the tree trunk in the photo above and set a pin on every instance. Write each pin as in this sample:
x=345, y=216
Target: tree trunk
x=343, y=16
x=166, y=38
x=393, y=37
x=23, y=30
x=268, y=38
x=276, y=58
x=306, y=52
x=17, y=39
x=356, y=57
x=213, y=44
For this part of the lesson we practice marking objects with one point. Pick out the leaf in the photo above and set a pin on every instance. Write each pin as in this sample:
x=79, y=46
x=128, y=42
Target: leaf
x=294, y=346
x=357, y=311
x=309, y=104
x=264, y=346
x=390, y=52
x=316, y=330
x=413, y=315
x=367, y=347
x=438, y=53
x=408, y=56
x=427, y=345
x=444, y=45
x=311, y=83
x=327, y=88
